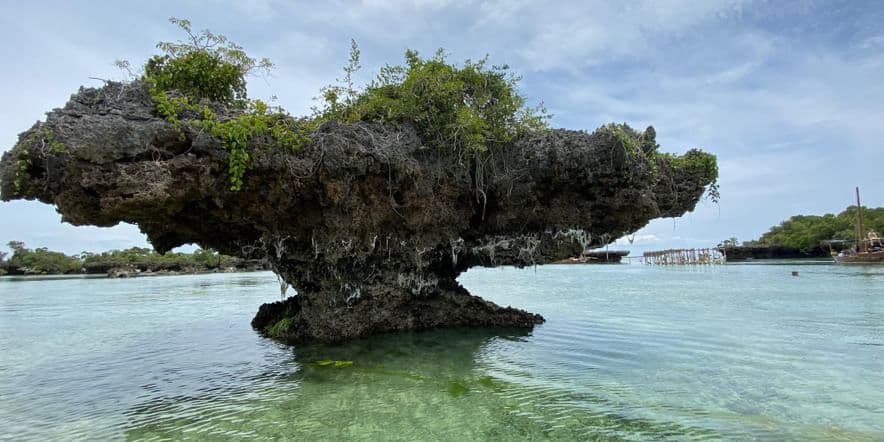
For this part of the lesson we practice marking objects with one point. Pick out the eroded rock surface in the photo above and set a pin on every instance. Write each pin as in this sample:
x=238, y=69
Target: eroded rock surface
x=368, y=225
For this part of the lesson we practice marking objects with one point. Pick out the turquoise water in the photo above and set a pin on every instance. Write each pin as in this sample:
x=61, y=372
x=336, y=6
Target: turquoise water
x=628, y=352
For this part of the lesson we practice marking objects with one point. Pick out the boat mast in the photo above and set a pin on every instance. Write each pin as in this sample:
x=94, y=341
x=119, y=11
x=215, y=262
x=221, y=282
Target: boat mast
x=861, y=245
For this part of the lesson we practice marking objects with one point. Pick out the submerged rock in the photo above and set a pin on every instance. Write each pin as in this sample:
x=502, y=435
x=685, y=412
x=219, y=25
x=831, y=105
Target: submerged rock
x=370, y=227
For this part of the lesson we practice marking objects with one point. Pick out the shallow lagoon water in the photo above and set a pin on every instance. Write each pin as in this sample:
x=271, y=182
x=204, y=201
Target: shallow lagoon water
x=627, y=352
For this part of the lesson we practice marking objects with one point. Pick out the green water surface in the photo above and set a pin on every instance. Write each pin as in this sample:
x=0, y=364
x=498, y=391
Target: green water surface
x=628, y=352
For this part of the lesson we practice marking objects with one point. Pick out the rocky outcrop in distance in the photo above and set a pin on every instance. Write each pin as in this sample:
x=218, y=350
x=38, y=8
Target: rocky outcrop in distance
x=743, y=253
x=370, y=226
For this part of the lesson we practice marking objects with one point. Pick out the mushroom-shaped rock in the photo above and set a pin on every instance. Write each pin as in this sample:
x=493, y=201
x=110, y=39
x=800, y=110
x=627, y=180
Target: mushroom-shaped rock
x=369, y=225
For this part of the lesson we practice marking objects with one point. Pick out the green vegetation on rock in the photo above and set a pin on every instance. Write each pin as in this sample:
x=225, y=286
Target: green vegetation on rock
x=209, y=70
x=207, y=66
x=695, y=162
x=469, y=108
x=807, y=231
x=41, y=141
x=279, y=329
x=21, y=169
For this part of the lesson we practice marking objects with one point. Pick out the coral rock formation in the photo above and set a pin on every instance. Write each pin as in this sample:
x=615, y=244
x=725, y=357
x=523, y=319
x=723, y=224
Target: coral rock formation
x=370, y=227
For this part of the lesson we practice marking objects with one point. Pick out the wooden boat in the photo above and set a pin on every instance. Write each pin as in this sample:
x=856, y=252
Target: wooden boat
x=871, y=257
x=868, y=250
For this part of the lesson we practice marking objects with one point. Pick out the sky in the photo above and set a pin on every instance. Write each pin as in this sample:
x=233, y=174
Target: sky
x=788, y=94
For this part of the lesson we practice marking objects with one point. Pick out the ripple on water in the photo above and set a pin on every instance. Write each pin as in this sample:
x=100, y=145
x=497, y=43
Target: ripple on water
x=627, y=352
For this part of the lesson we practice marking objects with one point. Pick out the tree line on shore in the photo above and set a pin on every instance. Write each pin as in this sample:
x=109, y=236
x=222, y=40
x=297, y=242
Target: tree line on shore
x=42, y=261
x=809, y=232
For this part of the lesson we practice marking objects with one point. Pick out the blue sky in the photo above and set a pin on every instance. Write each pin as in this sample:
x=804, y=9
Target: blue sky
x=788, y=94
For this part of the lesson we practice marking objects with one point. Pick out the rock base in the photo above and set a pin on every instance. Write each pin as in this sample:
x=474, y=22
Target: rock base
x=312, y=318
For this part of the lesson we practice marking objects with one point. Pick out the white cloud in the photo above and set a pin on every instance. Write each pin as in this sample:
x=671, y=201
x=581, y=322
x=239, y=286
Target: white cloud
x=256, y=9
x=872, y=42
x=589, y=33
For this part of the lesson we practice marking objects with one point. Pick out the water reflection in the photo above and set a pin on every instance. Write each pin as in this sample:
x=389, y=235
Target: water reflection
x=411, y=386
x=315, y=390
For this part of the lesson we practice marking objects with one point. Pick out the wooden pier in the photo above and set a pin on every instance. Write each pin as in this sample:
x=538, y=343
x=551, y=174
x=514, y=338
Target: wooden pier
x=685, y=257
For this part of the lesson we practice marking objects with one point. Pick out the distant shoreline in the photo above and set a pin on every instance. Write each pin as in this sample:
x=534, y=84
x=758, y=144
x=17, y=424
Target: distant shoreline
x=62, y=276
x=132, y=262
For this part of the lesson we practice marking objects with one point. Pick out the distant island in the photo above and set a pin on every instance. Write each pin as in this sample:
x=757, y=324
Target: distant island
x=120, y=263
x=806, y=236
